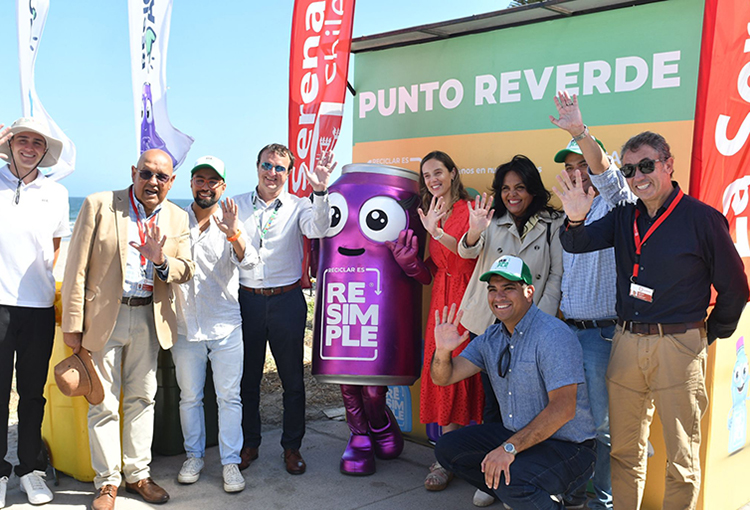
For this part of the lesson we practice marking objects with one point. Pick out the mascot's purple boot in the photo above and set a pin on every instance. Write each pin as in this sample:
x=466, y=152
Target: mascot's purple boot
x=358, y=458
x=384, y=430
x=374, y=430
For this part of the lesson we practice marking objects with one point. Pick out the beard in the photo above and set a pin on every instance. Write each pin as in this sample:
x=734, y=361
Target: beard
x=205, y=203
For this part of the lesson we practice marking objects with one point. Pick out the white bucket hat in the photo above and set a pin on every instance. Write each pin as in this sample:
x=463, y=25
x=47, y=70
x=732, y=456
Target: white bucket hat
x=29, y=124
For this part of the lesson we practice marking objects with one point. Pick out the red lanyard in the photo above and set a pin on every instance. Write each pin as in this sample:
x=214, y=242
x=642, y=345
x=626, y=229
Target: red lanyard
x=141, y=228
x=637, y=236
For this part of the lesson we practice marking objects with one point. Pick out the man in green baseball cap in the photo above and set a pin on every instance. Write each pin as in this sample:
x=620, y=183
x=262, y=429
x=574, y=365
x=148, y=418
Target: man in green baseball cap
x=589, y=283
x=533, y=361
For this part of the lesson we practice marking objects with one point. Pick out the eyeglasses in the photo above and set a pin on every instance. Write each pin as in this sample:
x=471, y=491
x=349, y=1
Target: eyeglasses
x=146, y=175
x=268, y=167
x=504, y=365
x=199, y=182
x=646, y=166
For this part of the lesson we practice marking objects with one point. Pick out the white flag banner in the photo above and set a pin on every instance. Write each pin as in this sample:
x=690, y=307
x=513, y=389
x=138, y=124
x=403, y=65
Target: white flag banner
x=149, y=34
x=31, y=16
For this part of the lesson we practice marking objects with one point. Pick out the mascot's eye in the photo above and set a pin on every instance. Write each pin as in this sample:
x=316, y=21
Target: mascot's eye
x=339, y=214
x=381, y=219
x=148, y=110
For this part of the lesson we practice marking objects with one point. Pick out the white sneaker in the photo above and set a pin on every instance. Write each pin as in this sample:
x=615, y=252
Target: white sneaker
x=3, y=489
x=233, y=479
x=191, y=470
x=481, y=498
x=35, y=487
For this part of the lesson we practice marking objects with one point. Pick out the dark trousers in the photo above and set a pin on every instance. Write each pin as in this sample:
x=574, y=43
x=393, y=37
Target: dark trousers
x=28, y=333
x=549, y=468
x=280, y=321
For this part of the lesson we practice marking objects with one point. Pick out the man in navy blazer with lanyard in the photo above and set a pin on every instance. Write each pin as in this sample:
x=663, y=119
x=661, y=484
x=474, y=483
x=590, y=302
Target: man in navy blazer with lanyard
x=669, y=249
x=271, y=302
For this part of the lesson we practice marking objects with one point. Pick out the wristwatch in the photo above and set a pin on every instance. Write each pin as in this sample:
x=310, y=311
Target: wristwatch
x=509, y=448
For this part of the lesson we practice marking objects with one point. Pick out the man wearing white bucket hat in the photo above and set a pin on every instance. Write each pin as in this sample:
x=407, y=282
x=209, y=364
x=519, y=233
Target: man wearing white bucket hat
x=35, y=210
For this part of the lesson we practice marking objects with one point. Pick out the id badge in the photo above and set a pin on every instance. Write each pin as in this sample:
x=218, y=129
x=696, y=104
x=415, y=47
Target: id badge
x=147, y=285
x=259, y=271
x=641, y=292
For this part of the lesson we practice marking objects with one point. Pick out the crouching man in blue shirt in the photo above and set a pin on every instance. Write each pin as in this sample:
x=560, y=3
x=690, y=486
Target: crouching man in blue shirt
x=545, y=444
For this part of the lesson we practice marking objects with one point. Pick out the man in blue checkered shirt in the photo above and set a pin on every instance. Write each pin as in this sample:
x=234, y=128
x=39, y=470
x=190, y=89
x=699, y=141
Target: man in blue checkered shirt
x=589, y=283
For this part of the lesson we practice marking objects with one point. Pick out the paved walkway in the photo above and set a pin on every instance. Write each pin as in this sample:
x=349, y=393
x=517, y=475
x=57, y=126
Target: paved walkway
x=397, y=483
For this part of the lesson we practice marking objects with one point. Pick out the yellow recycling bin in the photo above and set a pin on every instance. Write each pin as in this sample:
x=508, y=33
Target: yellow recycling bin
x=65, y=426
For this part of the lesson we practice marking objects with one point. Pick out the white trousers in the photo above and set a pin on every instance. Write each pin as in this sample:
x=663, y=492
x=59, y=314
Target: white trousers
x=126, y=364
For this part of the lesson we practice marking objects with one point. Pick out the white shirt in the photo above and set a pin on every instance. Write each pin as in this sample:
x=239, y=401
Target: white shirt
x=281, y=249
x=208, y=306
x=139, y=279
x=26, y=249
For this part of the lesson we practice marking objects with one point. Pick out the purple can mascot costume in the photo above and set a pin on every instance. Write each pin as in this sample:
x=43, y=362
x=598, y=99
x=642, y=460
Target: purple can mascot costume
x=369, y=303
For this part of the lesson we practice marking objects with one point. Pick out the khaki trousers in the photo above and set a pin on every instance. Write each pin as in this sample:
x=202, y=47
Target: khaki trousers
x=128, y=363
x=667, y=372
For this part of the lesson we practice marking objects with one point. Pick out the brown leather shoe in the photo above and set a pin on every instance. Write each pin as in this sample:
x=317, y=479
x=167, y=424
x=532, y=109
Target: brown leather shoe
x=105, y=499
x=294, y=463
x=149, y=491
x=247, y=455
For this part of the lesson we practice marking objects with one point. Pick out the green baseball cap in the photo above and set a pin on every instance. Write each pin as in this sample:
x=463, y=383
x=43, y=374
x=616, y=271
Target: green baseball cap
x=573, y=148
x=211, y=162
x=509, y=267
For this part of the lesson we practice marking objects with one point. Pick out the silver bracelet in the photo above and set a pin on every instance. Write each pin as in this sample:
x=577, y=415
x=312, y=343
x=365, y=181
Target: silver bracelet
x=440, y=235
x=583, y=134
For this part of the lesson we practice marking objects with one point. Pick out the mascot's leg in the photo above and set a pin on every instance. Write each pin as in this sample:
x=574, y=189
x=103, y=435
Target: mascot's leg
x=384, y=430
x=358, y=458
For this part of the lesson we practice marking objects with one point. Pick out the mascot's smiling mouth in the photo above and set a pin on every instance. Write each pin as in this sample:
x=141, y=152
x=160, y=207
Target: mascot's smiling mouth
x=350, y=252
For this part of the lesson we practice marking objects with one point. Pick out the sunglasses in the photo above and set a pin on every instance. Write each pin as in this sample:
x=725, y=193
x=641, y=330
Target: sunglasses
x=504, y=364
x=146, y=175
x=646, y=166
x=199, y=182
x=268, y=167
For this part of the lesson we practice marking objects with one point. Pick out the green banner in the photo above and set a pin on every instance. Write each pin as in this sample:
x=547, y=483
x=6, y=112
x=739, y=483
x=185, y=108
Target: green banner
x=630, y=65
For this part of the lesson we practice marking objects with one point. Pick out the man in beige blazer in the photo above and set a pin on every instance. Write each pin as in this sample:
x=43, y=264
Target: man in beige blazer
x=127, y=249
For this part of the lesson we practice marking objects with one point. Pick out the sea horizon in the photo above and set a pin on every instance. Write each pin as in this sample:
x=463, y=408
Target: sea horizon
x=76, y=203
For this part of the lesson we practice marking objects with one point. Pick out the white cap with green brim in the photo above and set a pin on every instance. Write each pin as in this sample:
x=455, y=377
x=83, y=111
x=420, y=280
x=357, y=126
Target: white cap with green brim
x=509, y=267
x=211, y=162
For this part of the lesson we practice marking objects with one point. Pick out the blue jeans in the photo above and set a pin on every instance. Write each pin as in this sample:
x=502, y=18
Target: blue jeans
x=190, y=360
x=548, y=468
x=597, y=344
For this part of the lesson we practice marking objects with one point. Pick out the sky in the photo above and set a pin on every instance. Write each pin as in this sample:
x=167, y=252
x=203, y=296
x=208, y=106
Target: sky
x=227, y=72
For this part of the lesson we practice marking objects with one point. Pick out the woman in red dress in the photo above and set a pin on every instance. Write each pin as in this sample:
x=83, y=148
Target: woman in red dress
x=446, y=220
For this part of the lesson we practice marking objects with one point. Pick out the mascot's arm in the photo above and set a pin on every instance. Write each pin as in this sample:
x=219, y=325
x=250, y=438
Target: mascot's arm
x=406, y=253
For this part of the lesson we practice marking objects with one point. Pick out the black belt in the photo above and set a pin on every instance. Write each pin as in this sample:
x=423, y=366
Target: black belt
x=272, y=291
x=137, y=301
x=644, y=328
x=605, y=323
x=589, y=443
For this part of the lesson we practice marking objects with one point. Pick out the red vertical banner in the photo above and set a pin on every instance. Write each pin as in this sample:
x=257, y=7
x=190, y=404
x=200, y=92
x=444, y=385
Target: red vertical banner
x=318, y=70
x=720, y=170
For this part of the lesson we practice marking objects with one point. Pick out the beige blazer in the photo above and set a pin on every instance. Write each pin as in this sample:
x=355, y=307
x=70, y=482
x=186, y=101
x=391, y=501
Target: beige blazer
x=543, y=258
x=95, y=269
